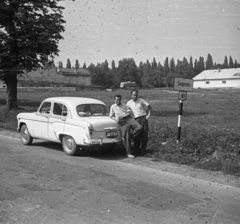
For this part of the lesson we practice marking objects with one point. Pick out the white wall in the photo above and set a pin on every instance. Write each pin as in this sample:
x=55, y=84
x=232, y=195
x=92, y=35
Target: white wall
x=234, y=83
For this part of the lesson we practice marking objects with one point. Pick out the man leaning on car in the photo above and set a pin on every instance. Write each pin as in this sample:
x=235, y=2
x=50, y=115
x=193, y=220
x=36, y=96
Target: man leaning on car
x=130, y=128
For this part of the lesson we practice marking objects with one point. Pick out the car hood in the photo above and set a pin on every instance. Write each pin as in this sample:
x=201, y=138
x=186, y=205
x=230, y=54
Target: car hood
x=101, y=123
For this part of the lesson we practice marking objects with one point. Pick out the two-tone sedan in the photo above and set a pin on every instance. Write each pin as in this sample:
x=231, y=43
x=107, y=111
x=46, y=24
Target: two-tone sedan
x=75, y=122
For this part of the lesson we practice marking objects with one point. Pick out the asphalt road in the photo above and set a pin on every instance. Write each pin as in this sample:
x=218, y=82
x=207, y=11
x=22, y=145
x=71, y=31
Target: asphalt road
x=40, y=184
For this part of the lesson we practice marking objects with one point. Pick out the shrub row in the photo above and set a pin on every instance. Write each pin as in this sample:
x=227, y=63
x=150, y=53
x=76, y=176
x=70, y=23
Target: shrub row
x=209, y=148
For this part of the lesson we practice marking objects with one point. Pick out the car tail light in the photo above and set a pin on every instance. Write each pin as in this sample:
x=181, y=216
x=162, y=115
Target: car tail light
x=90, y=129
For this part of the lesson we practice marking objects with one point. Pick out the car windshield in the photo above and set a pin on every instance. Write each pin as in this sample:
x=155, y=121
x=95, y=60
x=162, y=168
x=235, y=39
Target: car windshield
x=84, y=110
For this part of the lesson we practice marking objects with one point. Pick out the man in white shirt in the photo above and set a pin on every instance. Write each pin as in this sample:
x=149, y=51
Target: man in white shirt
x=141, y=110
x=130, y=128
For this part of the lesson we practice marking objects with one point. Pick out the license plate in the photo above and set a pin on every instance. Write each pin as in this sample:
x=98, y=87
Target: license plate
x=112, y=134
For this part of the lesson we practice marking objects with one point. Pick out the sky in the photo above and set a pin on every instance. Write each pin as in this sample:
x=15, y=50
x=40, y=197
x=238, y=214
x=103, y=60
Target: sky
x=99, y=30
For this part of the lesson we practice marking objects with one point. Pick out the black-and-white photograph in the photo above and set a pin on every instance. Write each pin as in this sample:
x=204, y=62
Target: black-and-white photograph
x=119, y=112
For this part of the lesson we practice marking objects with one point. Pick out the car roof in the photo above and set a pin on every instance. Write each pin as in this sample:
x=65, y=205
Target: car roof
x=74, y=101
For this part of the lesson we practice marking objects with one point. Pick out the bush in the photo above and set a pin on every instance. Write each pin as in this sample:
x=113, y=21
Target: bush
x=210, y=149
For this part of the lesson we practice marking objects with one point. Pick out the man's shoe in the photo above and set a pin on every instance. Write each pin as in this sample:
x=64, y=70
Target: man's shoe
x=130, y=156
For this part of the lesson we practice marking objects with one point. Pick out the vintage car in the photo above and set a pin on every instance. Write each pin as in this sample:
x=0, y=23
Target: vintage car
x=75, y=122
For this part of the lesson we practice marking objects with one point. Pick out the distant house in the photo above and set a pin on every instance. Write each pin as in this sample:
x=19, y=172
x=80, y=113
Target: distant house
x=76, y=76
x=56, y=77
x=218, y=78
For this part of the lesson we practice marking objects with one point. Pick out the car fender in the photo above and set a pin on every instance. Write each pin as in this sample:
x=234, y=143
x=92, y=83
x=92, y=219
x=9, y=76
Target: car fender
x=26, y=118
x=77, y=129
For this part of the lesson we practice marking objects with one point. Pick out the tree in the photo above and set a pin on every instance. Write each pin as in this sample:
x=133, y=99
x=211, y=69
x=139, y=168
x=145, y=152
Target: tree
x=185, y=61
x=101, y=74
x=113, y=65
x=127, y=71
x=199, y=66
x=183, y=69
x=29, y=31
x=235, y=64
x=68, y=65
x=170, y=79
x=84, y=66
x=60, y=64
x=231, y=65
x=105, y=66
x=148, y=75
x=172, y=65
x=166, y=66
x=209, y=62
x=77, y=64
x=160, y=69
x=191, y=62
x=154, y=64
x=225, y=63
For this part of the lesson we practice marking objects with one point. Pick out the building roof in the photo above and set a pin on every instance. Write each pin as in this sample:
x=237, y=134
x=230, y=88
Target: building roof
x=73, y=71
x=63, y=71
x=229, y=73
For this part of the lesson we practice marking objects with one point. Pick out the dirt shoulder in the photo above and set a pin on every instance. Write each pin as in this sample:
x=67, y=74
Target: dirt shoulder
x=149, y=162
x=212, y=176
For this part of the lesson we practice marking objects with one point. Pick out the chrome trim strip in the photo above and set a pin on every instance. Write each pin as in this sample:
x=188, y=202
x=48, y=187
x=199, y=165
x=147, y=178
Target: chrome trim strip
x=101, y=141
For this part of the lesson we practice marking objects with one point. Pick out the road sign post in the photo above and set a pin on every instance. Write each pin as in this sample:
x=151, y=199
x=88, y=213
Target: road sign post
x=184, y=86
x=179, y=120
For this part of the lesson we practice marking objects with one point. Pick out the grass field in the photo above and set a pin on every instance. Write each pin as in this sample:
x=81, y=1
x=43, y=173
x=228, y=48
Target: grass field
x=210, y=137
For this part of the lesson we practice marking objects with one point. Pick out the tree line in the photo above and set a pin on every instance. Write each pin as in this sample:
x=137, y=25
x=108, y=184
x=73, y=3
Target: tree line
x=150, y=74
x=30, y=32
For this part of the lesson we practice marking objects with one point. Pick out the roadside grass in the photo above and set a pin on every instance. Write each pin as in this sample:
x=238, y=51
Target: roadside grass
x=210, y=136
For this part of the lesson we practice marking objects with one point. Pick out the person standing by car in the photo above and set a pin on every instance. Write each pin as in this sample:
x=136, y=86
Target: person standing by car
x=130, y=128
x=141, y=110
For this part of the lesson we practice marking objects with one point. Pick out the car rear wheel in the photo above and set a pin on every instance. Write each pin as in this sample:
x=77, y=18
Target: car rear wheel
x=26, y=138
x=69, y=145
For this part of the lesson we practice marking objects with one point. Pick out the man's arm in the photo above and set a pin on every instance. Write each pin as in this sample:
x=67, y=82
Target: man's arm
x=128, y=113
x=112, y=114
x=149, y=109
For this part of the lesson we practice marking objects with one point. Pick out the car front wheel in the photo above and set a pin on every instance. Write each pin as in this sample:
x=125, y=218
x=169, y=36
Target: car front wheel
x=26, y=138
x=69, y=145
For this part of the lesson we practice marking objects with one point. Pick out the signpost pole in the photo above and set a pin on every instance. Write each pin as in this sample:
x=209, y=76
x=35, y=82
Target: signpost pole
x=179, y=120
x=184, y=86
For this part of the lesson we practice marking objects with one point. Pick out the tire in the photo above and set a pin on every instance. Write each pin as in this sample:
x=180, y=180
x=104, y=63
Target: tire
x=26, y=138
x=69, y=145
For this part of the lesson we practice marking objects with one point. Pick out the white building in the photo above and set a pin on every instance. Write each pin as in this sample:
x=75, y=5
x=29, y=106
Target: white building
x=218, y=78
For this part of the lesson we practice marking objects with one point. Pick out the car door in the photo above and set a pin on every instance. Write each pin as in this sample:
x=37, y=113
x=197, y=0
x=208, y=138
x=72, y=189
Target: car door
x=57, y=121
x=42, y=119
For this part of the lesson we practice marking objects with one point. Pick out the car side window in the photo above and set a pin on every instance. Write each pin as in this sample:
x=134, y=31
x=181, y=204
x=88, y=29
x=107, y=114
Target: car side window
x=60, y=109
x=45, y=108
x=65, y=111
